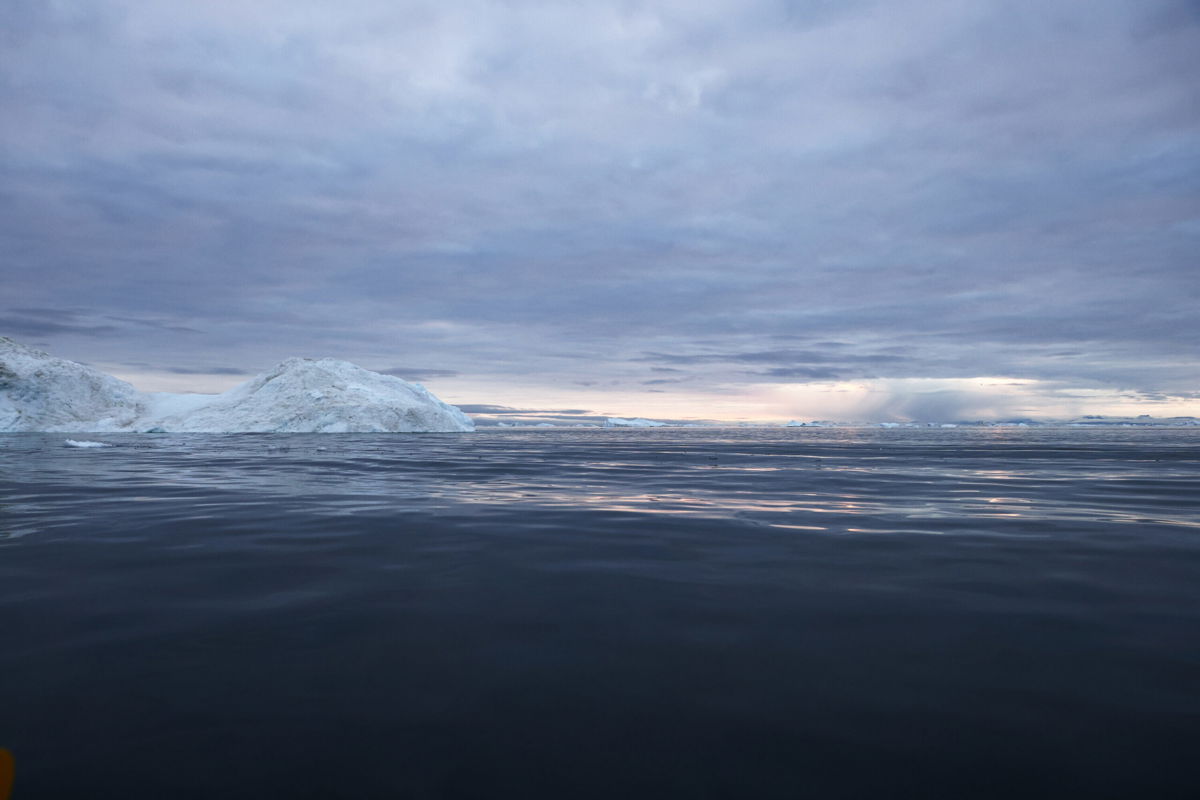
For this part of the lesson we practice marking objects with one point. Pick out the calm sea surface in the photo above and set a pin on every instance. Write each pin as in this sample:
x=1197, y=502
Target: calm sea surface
x=603, y=614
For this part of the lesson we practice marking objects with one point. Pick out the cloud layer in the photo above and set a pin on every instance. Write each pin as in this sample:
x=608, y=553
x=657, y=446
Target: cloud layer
x=611, y=197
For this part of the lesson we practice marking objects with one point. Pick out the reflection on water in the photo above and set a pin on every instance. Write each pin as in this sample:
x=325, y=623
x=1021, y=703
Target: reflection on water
x=603, y=613
x=793, y=479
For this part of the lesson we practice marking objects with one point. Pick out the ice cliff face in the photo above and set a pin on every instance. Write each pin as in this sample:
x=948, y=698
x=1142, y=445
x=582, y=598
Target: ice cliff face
x=39, y=392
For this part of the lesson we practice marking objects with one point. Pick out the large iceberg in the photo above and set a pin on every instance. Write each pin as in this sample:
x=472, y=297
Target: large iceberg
x=303, y=395
x=39, y=392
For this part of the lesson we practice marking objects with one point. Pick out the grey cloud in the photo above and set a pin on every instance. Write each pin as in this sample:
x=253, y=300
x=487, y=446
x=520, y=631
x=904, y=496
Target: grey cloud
x=32, y=321
x=895, y=189
x=32, y=326
x=771, y=357
x=207, y=371
x=180, y=370
x=149, y=323
x=794, y=365
x=485, y=408
x=419, y=373
x=803, y=373
x=65, y=315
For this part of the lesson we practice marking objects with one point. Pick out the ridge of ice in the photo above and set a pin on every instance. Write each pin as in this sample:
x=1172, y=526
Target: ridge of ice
x=39, y=392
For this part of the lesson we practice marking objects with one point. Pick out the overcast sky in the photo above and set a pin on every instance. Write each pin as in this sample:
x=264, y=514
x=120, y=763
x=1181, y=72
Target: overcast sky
x=693, y=209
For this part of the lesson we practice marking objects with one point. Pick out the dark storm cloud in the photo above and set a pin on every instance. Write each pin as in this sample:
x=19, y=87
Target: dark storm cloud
x=552, y=194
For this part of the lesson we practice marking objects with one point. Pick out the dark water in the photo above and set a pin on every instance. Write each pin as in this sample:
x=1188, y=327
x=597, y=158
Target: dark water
x=603, y=614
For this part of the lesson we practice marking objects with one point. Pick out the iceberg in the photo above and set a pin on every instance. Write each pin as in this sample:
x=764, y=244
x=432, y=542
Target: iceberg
x=618, y=422
x=303, y=395
x=39, y=392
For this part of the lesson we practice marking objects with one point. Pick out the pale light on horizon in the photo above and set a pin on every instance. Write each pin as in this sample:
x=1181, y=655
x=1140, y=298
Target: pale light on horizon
x=985, y=398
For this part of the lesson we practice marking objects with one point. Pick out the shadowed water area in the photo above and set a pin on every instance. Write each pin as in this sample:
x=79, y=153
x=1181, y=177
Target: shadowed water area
x=701, y=613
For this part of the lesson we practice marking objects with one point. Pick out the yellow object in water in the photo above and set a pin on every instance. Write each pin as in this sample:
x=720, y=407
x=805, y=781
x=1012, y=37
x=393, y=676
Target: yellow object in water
x=7, y=771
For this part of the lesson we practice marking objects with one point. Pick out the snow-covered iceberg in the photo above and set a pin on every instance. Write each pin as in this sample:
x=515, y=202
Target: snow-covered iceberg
x=39, y=392
x=303, y=395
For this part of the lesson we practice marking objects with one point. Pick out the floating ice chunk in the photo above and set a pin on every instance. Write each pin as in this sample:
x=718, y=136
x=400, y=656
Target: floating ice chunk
x=73, y=443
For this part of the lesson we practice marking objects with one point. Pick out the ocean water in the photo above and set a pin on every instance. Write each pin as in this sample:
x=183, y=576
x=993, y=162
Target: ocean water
x=694, y=613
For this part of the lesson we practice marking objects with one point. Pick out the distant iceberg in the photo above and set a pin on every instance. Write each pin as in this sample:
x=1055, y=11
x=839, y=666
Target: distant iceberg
x=618, y=422
x=39, y=392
